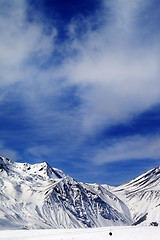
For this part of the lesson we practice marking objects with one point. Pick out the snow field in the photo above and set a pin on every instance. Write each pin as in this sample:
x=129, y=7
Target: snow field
x=118, y=233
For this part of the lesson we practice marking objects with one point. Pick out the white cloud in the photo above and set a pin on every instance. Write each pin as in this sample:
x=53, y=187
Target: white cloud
x=121, y=84
x=120, y=71
x=39, y=152
x=118, y=77
x=129, y=148
x=20, y=42
x=117, y=73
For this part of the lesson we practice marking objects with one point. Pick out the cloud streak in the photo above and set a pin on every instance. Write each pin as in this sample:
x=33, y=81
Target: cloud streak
x=106, y=76
x=21, y=43
x=116, y=66
x=129, y=148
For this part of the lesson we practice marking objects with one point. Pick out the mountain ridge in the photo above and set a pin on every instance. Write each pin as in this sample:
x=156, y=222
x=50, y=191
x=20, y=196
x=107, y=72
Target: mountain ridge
x=34, y=196
x=142, y=196
x=38, y=196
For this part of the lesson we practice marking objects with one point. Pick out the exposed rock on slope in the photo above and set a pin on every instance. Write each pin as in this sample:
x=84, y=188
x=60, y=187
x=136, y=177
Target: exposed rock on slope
x=38, y=196
x=142, y=196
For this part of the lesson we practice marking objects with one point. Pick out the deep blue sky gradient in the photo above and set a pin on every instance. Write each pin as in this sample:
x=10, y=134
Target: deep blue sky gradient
x=48, y=113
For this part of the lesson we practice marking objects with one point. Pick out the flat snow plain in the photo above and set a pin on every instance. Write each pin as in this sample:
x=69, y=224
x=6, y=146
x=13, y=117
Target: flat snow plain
x=118, y=233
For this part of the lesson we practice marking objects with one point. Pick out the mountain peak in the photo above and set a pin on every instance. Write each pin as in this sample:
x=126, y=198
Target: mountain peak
x=37, y=171
x=150, y=179
x=142, y=196
x=155, y=171
x=38, y=196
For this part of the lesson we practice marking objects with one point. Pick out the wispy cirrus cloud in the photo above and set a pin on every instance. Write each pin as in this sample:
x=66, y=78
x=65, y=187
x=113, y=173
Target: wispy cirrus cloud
x=116, y=64
x=82, y=84
x=129, y=148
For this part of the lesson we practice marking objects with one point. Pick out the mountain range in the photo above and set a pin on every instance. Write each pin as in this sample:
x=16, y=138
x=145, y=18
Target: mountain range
x=39, y=196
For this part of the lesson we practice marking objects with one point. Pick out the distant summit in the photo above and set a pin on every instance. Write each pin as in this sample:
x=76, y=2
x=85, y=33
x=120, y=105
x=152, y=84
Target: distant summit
x=142, y=196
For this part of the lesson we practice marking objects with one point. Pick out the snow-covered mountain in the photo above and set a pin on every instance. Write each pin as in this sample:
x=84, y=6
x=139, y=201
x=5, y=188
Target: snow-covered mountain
x=142, y=196
x=38, y=196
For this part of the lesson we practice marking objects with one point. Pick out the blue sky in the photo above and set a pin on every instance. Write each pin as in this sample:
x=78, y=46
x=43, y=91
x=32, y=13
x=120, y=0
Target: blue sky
x=80, y=86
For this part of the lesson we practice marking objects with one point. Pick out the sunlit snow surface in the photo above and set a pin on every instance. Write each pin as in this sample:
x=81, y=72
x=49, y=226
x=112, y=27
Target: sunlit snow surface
x=118, y=233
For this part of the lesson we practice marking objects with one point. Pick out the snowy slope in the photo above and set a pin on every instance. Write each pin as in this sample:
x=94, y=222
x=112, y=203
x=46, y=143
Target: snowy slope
x=118, y=233
x=38, y=196
x=142, y=196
